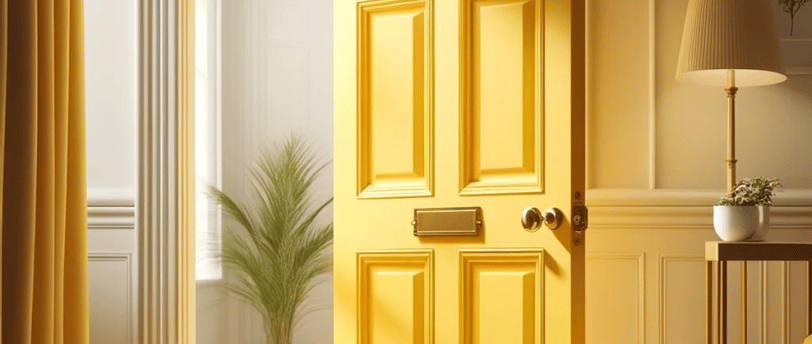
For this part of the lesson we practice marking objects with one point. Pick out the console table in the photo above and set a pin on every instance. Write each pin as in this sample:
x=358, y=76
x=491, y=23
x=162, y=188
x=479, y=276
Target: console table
x=717, y=256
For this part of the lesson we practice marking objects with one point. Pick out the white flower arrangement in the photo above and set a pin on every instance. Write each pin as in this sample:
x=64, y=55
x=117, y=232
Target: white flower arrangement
x=751, y=191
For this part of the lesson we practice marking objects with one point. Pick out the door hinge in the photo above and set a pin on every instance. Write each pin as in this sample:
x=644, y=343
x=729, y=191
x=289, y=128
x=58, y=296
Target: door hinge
x=580, y=218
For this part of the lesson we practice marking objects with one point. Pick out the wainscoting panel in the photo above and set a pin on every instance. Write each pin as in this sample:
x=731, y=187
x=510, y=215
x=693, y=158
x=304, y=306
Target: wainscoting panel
x=112, y=266
x=111, y=296
x=678, y=302
x=618, y=289
x=657, y=275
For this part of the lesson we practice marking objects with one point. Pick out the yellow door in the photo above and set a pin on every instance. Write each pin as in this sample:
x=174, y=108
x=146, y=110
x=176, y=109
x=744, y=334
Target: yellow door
x=468, y=110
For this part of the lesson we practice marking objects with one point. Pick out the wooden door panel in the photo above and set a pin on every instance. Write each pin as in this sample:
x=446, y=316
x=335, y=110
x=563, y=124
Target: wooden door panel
x=396, y=297
x=394, y=112
x=501, y=79
x=501, y=296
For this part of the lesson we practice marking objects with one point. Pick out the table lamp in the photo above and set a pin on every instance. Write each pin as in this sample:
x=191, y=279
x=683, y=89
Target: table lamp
x=730, y=43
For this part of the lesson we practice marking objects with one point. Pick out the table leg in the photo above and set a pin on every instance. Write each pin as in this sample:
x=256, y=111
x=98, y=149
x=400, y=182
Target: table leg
x=721, y=292
x=744, y=302
x=809, y=297
x=709, y=302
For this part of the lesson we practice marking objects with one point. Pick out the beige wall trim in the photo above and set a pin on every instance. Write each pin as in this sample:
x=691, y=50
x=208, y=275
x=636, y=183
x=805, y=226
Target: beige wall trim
x=684, y=209
x=652, y=95
x=683, y=198
x=165, y=232
x=110, y=208
x=785, y=306
x=673, y=209
x=111, y=217
x=110, y=197
x=658, y=217
x=763, y=301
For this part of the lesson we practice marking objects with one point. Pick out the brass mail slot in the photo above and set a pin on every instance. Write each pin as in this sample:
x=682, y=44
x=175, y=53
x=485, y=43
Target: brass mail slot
x=447, y=221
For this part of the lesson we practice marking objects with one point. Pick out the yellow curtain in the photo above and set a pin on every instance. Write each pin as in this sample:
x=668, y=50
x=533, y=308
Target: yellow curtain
x=42, y=154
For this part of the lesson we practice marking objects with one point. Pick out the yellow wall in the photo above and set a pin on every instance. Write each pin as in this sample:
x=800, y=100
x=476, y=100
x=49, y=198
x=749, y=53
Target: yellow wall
x=655, y=161
x=636, y=108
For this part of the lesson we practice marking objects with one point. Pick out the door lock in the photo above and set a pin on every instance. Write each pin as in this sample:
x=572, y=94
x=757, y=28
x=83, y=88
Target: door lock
x=532, y=218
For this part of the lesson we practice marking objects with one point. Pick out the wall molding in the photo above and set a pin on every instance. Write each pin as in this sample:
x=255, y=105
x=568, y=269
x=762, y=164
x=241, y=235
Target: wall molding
x=785, y=297
x=640, y=257
x=126, y=257
x=111, y=218
x=110, y=197
x=762, y=302
x=110, y=208
x=683, y=197
x=663, y=259
x=684, y=209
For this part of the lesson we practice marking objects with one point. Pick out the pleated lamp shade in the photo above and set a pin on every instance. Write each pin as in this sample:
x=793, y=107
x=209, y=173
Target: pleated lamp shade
x=723, y=35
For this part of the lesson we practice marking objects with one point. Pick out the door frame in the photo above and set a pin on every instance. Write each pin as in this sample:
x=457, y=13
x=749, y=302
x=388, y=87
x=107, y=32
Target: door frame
x=165, y=196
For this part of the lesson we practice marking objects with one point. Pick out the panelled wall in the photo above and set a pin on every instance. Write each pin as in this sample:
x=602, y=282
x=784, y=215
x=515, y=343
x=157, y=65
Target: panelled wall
x=656, y=153
x=112, y=266
x=111, y=51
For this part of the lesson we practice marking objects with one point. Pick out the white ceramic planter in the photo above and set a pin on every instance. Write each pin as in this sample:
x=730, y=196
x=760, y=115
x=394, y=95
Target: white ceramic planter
x=735, y=223
x=763, y=223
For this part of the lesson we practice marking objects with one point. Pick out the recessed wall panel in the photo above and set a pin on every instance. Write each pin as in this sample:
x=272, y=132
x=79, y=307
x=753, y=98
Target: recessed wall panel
x=394, y=57
x=501, y=296
x=615, y=284
x=678, y=298
x=501, y=96
x=395, y=297
x=109, y=277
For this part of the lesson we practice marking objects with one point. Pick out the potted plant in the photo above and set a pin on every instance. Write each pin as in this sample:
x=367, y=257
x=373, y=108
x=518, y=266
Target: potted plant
x=278, y=246
x=744, y=213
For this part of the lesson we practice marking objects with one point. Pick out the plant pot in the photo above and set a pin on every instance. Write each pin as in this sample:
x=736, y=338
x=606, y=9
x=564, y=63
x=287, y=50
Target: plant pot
x=763, y=223
x=735, y=223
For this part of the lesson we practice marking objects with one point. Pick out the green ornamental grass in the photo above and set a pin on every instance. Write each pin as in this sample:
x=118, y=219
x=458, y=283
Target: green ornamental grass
x=277, y=247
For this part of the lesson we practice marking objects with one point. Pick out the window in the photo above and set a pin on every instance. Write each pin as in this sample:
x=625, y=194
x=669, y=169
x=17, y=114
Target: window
x=208, y=217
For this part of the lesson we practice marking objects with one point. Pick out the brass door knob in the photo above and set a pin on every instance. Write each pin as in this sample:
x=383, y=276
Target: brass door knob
x=553, y=217
x=532, y=218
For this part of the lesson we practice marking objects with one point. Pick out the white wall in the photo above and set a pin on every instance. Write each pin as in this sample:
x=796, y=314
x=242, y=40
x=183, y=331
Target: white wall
x=111, y=85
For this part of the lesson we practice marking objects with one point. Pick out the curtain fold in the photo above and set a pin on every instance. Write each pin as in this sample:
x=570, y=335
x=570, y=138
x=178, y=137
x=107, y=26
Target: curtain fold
x=42, y=169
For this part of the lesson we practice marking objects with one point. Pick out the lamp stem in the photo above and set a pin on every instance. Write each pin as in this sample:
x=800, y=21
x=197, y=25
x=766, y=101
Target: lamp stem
x=731, y=129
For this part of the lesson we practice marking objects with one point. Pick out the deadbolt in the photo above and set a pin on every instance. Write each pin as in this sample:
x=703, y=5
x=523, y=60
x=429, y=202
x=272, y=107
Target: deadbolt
x=532, y=218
